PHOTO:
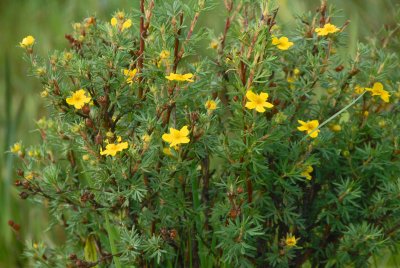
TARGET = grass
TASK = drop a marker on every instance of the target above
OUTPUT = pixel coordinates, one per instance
(20, 104)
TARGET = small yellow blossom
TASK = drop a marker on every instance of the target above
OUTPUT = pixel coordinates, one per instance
(27, 41)
(113, 148)
(164, 54)
(113, 21)
(16, 148)
(282, 43)
(28, 176)
(366, 113)
(35, 245)
(85, 157)
(146, 138)
(180, 77)
(130, 75)
(78, 99)
(290, 79)
(290, 240)
(31, 153)
(126, 25)
(309, 126)
(77, 26)
(214, 44)
(210, 105)
(307, 172)
(44, 93)
(257, 101)
(296, 71)
(377, 90)
(176, 137)
(167, 151)
(358, 89)
(41, 71)
(67, 56)
(327, 29)
(336, 128)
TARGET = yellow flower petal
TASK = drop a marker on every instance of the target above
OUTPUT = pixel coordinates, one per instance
(113, 21)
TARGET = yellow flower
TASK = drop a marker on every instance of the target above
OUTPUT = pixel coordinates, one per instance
(109, 134)
(358, 89)
(210, 105)
(146, 138)
(296, 71)
(167, 151)
(214, 44)
(290, 240)
(16, 148)
(29, 176)
(377, 90)
(78, 99)
(85, 157)
(67, 56)
(27, 41)
(180, 77)
(327, 29)
(126, 25)
(44, 93)
(257, 101)
(164, 54)
(291, 79)
(113, 148)
(282, 43)
(130, 75)
(176, 137)
(309, 126)
(113, 21)
(336, 128)
(306, 173)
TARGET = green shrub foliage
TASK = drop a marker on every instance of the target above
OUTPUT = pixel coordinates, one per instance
(270, 149)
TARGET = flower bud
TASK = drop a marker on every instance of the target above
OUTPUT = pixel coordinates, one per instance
(89, 123)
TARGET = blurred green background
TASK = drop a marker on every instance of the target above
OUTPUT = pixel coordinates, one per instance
(21, 106)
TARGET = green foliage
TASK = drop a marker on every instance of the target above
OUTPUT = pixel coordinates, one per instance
(250, 188)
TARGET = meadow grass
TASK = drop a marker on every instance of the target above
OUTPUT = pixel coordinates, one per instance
(20, 104)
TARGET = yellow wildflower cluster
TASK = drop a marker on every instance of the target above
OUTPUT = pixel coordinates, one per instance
(290, 240)
(282, 43)
(180, 77)
(120, 22)
(27, 42)
(377, 90)
(129, 75)
(16, 148)
(310, 127)
(327, 29)
(164, 56)
(257, 101)
(78, 99)
(307, 172)
(210, 105)
(176, 137)
(214, 44)
(113, 148)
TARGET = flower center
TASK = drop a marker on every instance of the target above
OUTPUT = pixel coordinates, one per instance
(258, 101)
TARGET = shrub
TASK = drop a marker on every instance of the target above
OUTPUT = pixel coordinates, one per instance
(274, 150)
